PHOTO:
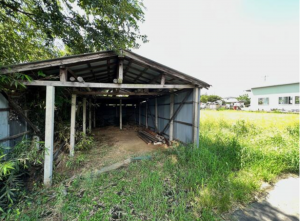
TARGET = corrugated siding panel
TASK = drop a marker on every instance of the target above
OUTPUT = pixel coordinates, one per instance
(4, 126)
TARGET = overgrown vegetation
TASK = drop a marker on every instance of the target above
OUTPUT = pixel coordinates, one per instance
(15, 164)
(238, 151)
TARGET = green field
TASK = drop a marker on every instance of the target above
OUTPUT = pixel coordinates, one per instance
(238, 151)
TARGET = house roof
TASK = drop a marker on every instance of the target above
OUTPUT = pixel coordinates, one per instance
(103, 67)
(274, 85)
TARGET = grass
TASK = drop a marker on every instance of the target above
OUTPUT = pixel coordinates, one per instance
(238, 151)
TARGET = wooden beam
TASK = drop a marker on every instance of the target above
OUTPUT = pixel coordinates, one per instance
(118, 93)
(49, 135)
(73, 124)
(95, 67)
(106, 85)
(146, 114)
(71, 60)
(72, 73)
(92, 72)
(14, 136)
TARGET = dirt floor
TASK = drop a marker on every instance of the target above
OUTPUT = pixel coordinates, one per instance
(113, 145)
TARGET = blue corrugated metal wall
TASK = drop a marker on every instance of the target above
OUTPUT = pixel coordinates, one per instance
(183, 122)
(10, 127)
(4, 126)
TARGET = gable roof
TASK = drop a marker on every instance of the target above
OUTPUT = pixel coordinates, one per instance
(102, 67)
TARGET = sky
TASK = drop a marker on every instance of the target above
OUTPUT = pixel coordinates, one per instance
(232, 45)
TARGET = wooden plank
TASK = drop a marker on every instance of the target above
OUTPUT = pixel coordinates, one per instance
(111, 63)
(14, 136)
(156, 115)
(56, 62)
(106, 85)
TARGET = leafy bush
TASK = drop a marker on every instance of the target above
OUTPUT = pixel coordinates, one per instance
(15, 163)
(85, 142)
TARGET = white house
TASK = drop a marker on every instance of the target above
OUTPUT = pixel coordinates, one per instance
(283, 97)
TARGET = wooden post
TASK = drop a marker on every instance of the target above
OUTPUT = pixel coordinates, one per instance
(163, 80)
(171, 114)
(121, 114)
(63, 74)
(49, 135)
(90, 116)
(156, 115)
(120, 77)
(95, 115)
(196, 116)
(146, 114)
(73, 120)
(84, 116)
(140, 114)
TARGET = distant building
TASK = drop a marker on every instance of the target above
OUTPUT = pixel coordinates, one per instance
(283, 97)
(229, 100)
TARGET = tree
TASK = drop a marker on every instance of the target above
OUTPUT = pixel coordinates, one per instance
(31, 29)
(245, 98)
(209, 98)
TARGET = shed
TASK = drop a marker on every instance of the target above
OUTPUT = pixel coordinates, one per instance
(163, 99)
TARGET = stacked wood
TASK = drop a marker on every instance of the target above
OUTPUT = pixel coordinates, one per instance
(151, 138)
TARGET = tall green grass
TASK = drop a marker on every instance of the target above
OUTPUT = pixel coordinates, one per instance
(238, 151)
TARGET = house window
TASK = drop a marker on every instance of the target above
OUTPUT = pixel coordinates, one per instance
(285, 100)
(296, 99)
(263, 101)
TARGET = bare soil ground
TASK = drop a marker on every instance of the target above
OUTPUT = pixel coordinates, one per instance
(111, 145)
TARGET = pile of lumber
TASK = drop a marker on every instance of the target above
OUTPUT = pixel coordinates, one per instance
(151, 138)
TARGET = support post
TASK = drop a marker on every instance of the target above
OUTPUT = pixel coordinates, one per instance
(84, 116)
(121, 114)
(156, 115)
(140, 114)
(146, 114)
(94, 115)
(63, 74)
(171, 114)
(196, 116)
(73, 121)
(90, 115)
(49, 135)
(120, 76)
